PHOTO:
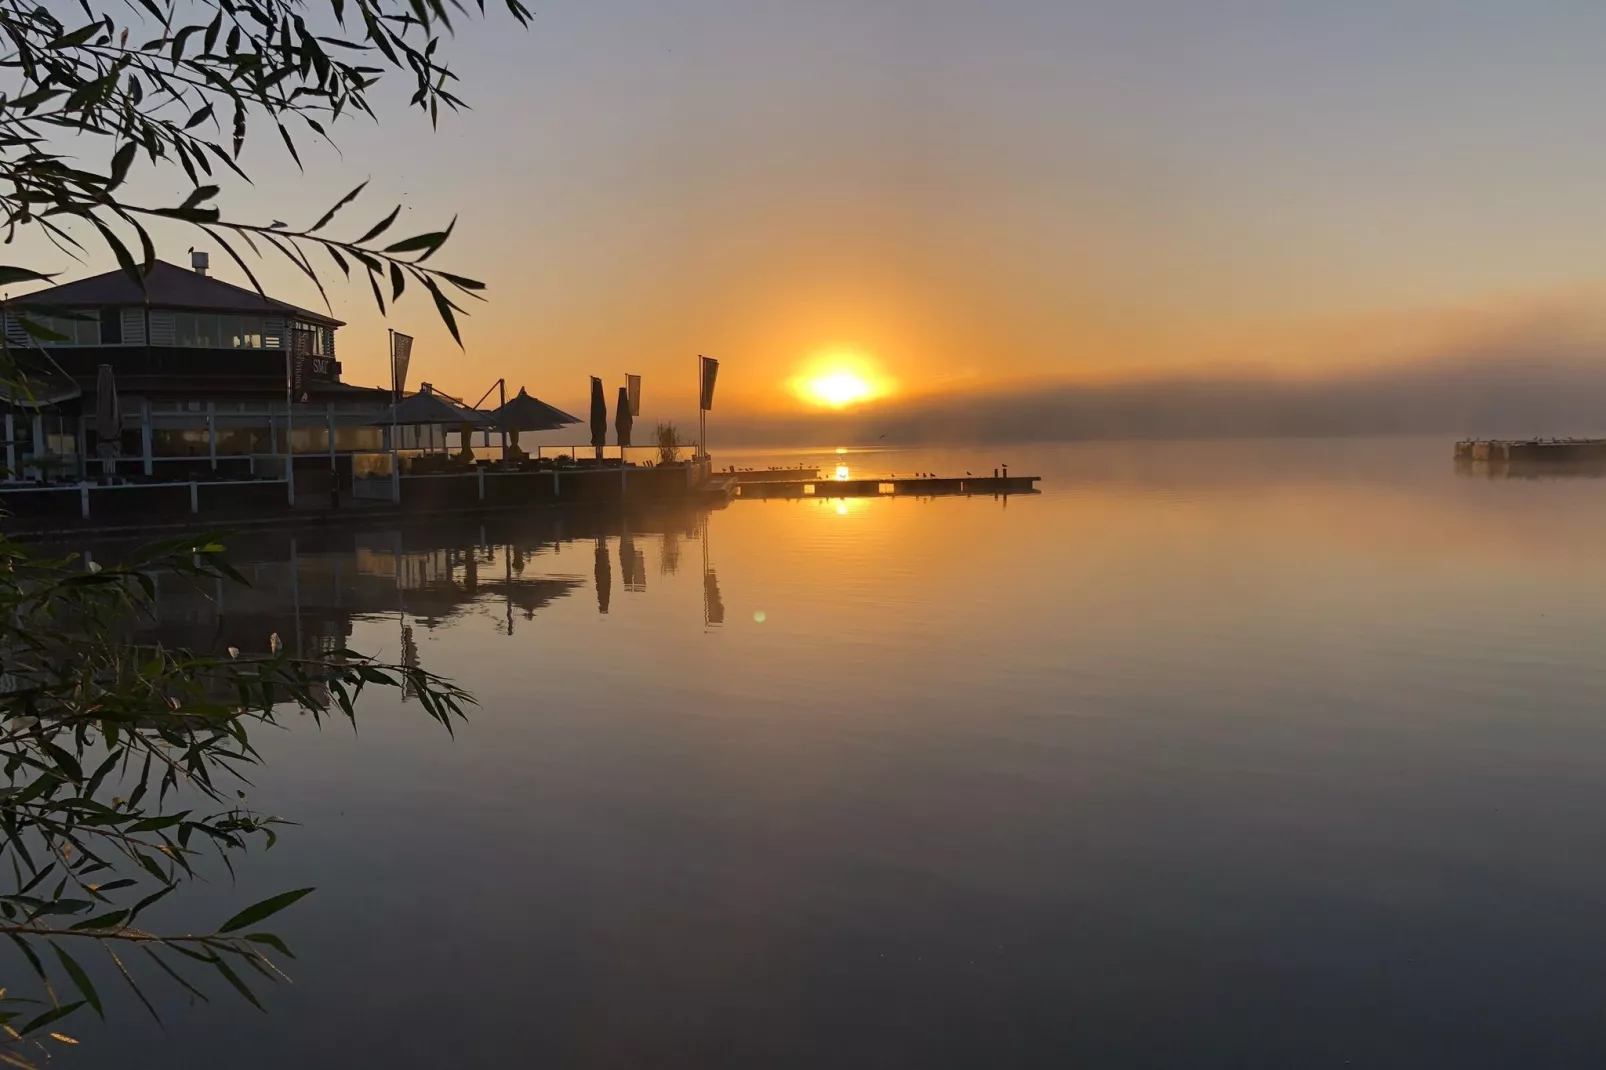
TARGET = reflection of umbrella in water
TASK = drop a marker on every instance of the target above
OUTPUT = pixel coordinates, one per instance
(599, 416)
(533, 594)
(622, 420)
(604, 575)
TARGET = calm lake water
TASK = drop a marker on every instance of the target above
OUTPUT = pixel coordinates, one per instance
(1222, 755)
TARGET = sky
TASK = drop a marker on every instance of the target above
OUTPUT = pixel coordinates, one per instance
(962, 198)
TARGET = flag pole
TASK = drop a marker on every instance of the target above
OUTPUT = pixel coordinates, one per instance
(395, 399)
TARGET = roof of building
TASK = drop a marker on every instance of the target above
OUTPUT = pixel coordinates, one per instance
(168, 286)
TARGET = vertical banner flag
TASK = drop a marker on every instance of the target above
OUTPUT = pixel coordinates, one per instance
(710, 371)
(633, 384)
(300, 358)
(401, 353)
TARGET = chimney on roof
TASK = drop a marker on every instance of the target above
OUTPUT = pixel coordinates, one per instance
(200, 261)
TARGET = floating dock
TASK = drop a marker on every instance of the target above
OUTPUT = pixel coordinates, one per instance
(871, 488)
(771, 475)
(1555, 452)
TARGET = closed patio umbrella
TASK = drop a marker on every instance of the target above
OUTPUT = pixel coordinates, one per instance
(622, 421)
(108, 418)
(599, 416)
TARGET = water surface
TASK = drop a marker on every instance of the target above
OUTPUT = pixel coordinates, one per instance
(1225, 755)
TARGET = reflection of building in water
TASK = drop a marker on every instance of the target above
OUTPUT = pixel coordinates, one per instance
(310, 587)
(669, 554)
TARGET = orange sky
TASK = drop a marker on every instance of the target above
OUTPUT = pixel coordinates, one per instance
(969, 196)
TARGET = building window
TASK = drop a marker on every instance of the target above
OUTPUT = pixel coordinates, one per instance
(111, 327)
(206, 331)
(315, 336)
(84, 331)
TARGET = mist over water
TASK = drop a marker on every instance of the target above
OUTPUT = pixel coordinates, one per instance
(1219, 754)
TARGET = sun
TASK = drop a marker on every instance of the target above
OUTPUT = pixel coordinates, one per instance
(838, 379)
(839, 388)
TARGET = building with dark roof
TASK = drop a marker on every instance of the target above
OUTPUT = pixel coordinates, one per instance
(210, 378)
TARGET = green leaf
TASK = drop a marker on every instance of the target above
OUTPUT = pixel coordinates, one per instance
(79, 978)
(151, 824)
(273, 942)
(10, 275)
(124, 259)
(398, 281)
(417, 242)
(239, 986)
(291, 145)
(380, 228)
(199, 117)
(74, 39)
(461, 283)
(64, 906)
(33, 959)
(197, 195)
(149, 899)
(267, 908)
(114, 920)
(54, 1015)
(444, 307)
(330, 214)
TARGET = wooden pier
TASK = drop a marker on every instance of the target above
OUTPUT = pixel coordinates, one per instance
(927, 486)
(1546, 452)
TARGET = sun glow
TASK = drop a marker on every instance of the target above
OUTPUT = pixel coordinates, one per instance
(836, 380)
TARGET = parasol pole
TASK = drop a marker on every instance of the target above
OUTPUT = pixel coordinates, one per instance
(289, 415)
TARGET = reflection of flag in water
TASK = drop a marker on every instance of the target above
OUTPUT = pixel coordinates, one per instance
(604, 575)
(713, 605)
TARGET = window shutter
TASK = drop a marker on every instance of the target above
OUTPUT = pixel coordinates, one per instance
(134, 326)
(161, 328)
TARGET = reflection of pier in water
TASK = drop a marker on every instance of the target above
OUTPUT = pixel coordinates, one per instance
(309, 587)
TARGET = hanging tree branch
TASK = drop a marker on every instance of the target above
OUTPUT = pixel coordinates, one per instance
(183, 86)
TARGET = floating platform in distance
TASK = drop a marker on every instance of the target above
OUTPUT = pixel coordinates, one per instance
(771, 475)
(872, 488)
(1549, 452)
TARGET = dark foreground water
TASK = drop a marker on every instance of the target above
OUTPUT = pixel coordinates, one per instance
(1262, 755)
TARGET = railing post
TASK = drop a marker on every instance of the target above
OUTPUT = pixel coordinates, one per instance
(11, 446)
(554, 482)
(83, 499)
(395, 480)
(145, 435)
(481, 473)
(195, 497)
(211, 433)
